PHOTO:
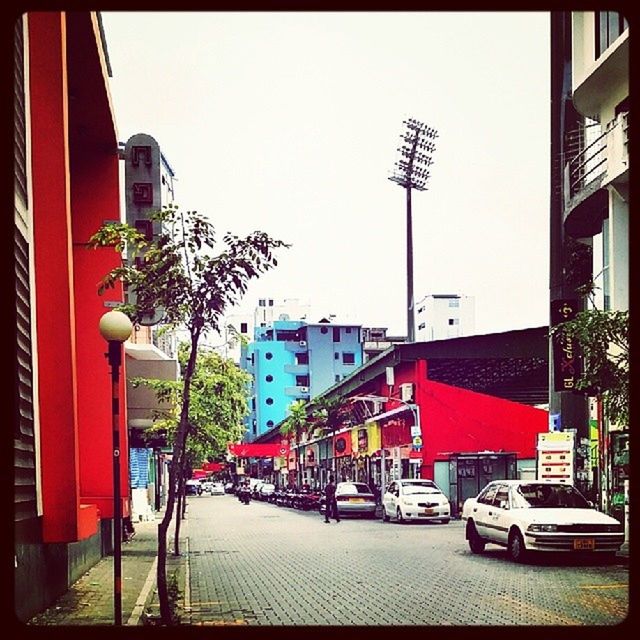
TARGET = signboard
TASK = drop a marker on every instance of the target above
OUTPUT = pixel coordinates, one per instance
(555, 451)
(566, 358)
(415, 430)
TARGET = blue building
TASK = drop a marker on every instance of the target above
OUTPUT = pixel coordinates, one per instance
(292, 360)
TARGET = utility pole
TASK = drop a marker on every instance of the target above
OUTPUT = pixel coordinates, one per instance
(411, 172)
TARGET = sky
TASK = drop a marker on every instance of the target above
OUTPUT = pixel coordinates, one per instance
(289, 122)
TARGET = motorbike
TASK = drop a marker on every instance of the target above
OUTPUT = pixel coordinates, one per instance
(244, 495)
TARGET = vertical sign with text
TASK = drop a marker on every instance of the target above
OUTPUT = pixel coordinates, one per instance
(566, 361)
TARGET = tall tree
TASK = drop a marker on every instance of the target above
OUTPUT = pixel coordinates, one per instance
(179, 272)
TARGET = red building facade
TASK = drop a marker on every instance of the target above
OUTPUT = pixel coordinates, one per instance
(70, 163)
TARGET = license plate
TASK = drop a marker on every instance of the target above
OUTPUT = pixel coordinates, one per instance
(429, 512)
(356, 499)
(586, 544)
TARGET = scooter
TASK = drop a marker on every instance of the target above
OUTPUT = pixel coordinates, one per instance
(244, 495)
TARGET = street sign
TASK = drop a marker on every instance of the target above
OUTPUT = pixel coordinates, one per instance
(417, 441)
(415, 430)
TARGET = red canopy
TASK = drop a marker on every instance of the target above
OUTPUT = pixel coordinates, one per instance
(251, 450)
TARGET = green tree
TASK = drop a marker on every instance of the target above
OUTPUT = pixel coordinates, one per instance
(179, 272)
(603, 338)
(296, 420)
(219, 396)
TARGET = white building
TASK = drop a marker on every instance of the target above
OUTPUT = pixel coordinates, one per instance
(441, 316)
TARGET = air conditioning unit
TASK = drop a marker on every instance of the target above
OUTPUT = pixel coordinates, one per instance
(303, 343)
(406, 391)
(304, 389)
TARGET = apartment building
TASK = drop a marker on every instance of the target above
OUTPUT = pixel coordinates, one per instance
(441, 316)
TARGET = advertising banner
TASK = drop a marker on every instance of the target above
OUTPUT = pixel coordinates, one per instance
(566, 357)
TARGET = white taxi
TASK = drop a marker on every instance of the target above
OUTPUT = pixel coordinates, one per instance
(538, 515)
(415, 500)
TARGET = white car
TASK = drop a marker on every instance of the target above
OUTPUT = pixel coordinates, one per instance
(217, 489)
(415, 500)
(537, 515)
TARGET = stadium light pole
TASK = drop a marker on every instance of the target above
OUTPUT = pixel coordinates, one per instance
(411, 172)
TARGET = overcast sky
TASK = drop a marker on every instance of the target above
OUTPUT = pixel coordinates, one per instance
(289, 123)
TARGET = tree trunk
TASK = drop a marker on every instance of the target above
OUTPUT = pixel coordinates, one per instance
(182, 501)
(175, 469)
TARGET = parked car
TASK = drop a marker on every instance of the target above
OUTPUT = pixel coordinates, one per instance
(217, 489)
(266, 490)
(415, 500)
(353, 498)
(193, 488)
(536, 515)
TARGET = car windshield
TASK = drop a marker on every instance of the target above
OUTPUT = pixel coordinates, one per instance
(422, 487)
(538, 495)
(352, 487)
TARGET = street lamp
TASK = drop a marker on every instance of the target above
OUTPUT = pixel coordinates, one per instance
(411, 172)
(115, 328)
(415, 410)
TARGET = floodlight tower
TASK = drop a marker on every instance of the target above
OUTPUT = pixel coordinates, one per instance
(411, 172)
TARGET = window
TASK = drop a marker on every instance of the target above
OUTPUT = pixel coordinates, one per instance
(269, 378)
(268, 355)
(336, 356)
(261, 303)
(487, 496)
(243, 327)
(302, 381)
(324, 330)
(502, 495)
(270, 302)
(609, 26)
(338, 378)
(454, 321)
(348, 358)
(269, 424)
(347, 329)
(422, 325)
(336, 334)
(269, 401)
(454, 302)
(302, 357)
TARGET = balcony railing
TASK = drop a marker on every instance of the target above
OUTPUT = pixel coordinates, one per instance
(589, 152)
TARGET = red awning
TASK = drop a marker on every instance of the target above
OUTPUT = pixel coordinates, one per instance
(251, 450)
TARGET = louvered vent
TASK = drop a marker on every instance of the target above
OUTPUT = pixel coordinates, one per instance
(24, 442)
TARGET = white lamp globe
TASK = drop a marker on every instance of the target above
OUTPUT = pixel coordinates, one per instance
(115, 326)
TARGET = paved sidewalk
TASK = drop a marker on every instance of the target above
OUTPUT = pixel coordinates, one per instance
(89, 600)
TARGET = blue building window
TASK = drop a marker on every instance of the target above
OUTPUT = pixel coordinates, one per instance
(269, 400)
(268, 355)
(348, 358)
(336, 334)
(269, 378)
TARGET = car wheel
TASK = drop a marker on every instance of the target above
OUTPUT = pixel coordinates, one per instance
(399, 516)
(516, 549)
(476, 543)
(385, 515)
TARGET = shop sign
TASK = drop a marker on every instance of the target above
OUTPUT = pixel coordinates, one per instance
(566, 356)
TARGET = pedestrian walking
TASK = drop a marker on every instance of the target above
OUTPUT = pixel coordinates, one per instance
(331, 505)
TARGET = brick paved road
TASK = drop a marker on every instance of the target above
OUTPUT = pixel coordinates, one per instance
(267, 565)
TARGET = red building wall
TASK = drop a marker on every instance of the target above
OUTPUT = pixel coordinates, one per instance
(458, 420)
(75, 187)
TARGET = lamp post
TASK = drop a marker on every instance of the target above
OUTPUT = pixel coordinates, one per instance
(415, 410)
(411, 172)
(115, 328)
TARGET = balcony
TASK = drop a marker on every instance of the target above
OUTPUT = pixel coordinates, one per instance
(597, 159)
(297, 369)
(297, 392)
